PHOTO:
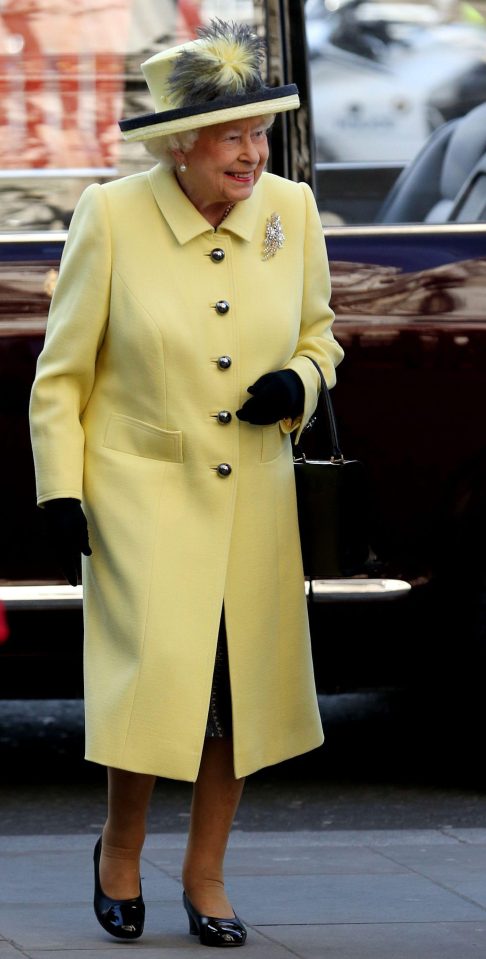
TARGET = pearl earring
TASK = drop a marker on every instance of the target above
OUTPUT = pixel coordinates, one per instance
(182, 167)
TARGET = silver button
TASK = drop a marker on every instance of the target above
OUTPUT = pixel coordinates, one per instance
(224, 416)
(217, 255)
(222, 307)
(224, 362)
(224, 470)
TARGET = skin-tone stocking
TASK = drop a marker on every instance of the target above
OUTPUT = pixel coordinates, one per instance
(216, 796)
(124, 833)
(215, 800)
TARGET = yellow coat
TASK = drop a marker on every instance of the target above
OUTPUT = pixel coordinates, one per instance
(124, 416)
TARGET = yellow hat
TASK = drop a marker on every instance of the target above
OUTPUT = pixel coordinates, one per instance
(214, 79)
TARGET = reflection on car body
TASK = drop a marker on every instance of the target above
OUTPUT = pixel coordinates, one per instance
(384, 292)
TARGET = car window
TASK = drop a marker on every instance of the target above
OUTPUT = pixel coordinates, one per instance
(69, 70)
(389, 82)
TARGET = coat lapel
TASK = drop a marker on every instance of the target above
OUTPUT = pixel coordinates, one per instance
(187, 223)
(184, 220)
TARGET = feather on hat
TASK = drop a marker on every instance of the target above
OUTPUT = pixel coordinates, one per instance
(229, 60)
(213, 79)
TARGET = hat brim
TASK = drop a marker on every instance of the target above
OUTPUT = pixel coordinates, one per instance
(270, 100)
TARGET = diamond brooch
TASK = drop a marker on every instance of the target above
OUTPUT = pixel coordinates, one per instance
(274, 236)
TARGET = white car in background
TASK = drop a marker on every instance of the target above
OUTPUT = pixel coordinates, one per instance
(384, 75)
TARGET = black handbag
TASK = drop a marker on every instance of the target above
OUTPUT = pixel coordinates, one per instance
(332, 501)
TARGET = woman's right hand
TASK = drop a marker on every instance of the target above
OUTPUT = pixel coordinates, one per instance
(67, 530)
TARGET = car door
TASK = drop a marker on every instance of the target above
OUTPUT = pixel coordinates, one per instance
(410, 302)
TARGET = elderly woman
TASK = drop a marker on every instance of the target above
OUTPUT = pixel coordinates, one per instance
(176, 364)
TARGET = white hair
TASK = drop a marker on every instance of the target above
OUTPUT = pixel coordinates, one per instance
(162, 148)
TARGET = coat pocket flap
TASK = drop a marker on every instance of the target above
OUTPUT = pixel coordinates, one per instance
(128, 435)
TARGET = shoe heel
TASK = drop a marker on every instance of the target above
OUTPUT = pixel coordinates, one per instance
(212, 931)
(193, 926)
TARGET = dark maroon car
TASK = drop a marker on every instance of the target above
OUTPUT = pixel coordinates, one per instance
(409, 292)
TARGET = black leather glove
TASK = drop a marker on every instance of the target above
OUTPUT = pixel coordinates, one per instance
(274, 397)
(67, 530)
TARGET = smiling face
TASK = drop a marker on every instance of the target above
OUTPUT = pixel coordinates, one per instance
(223, 166)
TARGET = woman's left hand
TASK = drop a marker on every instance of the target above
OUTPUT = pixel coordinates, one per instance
(274, 397)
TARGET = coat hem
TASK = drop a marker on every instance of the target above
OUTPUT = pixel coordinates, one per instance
(247, 769)
(146, 769)
(242, 768)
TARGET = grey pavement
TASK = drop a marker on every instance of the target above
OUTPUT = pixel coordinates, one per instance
(333, 894)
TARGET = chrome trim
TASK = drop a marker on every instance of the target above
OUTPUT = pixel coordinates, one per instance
(44, 173)
(397, 229)
(355, 590)
(42, 597)
(56, 236)
(323, 167)
(15, 327)
(47, 596)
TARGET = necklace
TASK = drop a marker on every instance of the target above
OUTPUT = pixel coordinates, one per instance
(227, 211)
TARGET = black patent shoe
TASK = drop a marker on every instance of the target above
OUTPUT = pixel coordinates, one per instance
(123, 918)
(214, 932)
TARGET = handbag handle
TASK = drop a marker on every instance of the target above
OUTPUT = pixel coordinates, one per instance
(325, 409)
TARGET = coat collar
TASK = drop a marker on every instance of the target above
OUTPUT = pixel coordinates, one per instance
(186, 222)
